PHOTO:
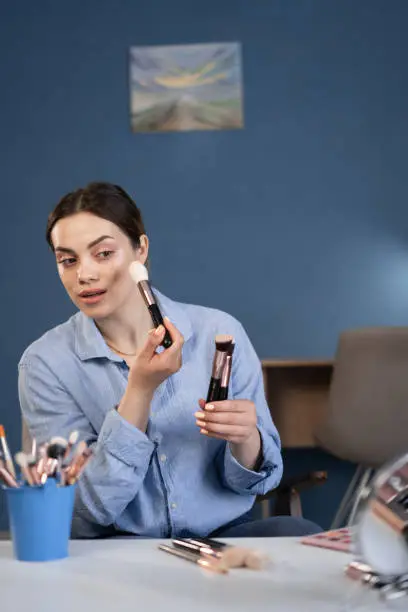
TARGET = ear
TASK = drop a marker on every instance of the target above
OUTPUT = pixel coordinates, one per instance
(143, 249)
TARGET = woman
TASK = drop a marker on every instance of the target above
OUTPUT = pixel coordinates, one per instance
(164, 463)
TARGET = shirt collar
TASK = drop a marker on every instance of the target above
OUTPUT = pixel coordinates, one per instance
(89, 342)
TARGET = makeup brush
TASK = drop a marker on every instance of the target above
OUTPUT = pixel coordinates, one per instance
(7, 478)
(139, 274)
(76, 463)
(32, 466)
(72, 440)
(22, 462)
(56, 450)
(222, 344)
(208, 564)
(230, 556)
(34, 448)
(226, 374)
(227, 558)
(6, 453)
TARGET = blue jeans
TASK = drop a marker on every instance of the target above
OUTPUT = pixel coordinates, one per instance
(272, 527)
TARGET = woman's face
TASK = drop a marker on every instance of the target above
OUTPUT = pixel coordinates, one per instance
(93, 257)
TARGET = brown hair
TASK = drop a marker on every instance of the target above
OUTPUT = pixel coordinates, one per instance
(104, 200)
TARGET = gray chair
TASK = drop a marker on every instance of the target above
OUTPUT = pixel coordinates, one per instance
(367, 417)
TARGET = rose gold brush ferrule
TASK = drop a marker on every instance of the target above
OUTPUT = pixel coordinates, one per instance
(8, 479)
(146, 292)
(75, 478)
(226, 373)
(6, 452)
(208, 564)
(197, 548)
(33, 467)
(220, 358)
(34, 474)
(27, 475)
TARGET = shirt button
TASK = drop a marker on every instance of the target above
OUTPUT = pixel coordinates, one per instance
(163, 458)
(173, 506)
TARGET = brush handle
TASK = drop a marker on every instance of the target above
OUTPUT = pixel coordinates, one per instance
(215, 545)
(223, 394)
(158, 320)
(213, 390)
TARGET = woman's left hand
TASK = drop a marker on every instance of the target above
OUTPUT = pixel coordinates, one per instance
(231, 420)
(234, 421)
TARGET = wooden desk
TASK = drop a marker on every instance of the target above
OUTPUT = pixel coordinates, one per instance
(297, 392)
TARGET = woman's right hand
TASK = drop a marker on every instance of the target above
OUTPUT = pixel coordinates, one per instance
(149, 368)
(147, 371)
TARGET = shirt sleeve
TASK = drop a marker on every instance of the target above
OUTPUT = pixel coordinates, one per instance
(121, 457)
(247, 383)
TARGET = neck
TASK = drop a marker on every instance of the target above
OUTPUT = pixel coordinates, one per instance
(126, 330)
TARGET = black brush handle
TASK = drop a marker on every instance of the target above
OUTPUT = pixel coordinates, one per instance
(213, 390)
(223, 394)
(158, 320)
(214, 544)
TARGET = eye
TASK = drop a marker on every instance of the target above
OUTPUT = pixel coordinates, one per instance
(104, 254)
(67, 262)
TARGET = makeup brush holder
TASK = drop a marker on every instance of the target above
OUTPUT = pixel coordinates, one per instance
(40, 520)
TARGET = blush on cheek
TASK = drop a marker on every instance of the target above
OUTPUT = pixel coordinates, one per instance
(120, 275)
(120, 269)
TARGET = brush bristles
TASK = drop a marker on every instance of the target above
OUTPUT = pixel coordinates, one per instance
(73, 437)
(231, 348)
(21, 459)
(138, 272)
(58, 441)
(223, 342)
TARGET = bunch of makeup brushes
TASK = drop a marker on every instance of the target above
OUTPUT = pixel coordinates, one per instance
(215, 556)
(59, 458)
(221, 368)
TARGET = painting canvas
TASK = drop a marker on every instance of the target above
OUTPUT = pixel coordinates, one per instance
(186, 87)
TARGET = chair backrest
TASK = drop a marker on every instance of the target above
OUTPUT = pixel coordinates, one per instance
(367, 417)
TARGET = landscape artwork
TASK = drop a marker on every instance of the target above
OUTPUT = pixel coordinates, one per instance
(186, 87)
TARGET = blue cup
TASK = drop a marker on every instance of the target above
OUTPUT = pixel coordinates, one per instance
(40, 520)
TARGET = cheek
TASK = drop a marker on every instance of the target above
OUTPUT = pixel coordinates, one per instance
(121, 277)
(66, 278)
(119, 271)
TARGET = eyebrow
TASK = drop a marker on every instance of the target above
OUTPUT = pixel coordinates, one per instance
(62, 249)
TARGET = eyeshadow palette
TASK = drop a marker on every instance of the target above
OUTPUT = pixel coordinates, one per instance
(336, 539)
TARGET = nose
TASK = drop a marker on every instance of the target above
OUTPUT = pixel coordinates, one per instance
(87, 272)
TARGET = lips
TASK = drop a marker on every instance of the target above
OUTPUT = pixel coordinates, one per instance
(91, 293)
(92, 296)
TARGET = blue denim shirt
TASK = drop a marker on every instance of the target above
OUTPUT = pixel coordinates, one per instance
(171, 480)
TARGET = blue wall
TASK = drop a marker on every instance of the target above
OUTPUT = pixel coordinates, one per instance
(308, 202)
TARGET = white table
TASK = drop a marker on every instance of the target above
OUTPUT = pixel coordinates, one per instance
(133, 575)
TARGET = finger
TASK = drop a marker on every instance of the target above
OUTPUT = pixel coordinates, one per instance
(223, 430)
(228, 406)
(201, 403)
(153, 341)
(224, 418)
(232, 439)
(176, 336)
